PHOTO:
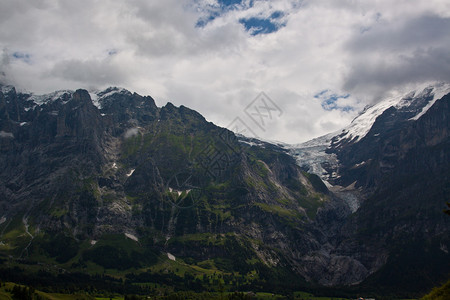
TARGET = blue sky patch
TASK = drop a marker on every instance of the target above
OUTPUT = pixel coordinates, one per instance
(25, 57)
(277, 14)
(215, 12)
(229, 2)
(321, 93)
(258, 26)
(330, 101)
(112, 52)
(253, 24)
(204, 21)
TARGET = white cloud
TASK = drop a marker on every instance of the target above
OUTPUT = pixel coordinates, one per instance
(131, 132)
(361, 48)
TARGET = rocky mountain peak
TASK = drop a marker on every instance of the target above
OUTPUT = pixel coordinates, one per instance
(82, 97)
(402, 108)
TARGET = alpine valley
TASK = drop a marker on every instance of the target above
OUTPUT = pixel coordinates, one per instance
(106, 191)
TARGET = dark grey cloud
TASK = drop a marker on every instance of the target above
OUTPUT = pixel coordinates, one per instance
(391, 55)
(89, 72)
(385, 36)
(421, 65)
(4, 68)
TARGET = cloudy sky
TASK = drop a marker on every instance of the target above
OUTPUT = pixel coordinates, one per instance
(318, 62)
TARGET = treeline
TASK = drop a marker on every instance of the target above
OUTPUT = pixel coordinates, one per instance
(71, 283)
(197, 296)
(22, 292)
(161, 284)
(147, 283)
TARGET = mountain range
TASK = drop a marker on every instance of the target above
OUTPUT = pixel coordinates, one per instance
(108, 183)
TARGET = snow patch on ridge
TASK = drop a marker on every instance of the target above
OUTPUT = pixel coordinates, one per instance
(171, 257)
(132, 237)
(98, 96)
(46, 98)
(111, 91)
(362, 124)
(7, 88)
(94, 98)
(4, 134)
(439, 91)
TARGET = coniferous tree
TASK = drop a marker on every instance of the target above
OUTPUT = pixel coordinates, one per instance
(447, 211)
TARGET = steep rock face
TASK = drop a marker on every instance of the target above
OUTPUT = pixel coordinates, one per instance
(210, 184)
(81, 167)
(54, 146)
(412, 188)
(123, 109)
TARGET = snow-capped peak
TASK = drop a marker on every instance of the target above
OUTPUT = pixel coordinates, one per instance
(98, 96)
(439, 91)
(46, 98)
(361, 125)
(94, 97)
(111, 91)
(6, 88)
